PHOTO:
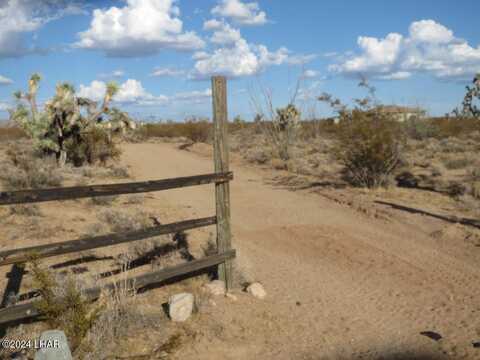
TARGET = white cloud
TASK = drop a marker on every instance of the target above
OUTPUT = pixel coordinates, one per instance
(200, 55)
(429, 31)
(4, 106)
(5, 81)
(236, 57)
(301, 59)
(196, 96)
(225, 34)
(212, 24)
(430, 47)
(167, 72)
(142, 27)
(240, 12)
(239, 59)
(131, 91)
(21, 17)
(113, 74)
(310, 74)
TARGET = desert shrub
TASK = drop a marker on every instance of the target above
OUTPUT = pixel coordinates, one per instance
(25, 210)
(420, 129)
(63, 305)
(103, 200)
(369, 148)
(196, 130)
(11, 133)
(369, 141)
(459, 163)
(119, 221)
(26, 170)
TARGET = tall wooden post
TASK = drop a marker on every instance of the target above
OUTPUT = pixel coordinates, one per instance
(222, 190)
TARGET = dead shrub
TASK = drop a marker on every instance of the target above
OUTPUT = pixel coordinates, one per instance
(196, 130)
(456, 164)
(119, 221)
(103, 200)
(8, 133)
(25, 210)
(26, 170)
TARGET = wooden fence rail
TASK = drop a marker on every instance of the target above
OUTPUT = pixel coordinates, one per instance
(78, 192)
(16, 256)
(29, 310)
(224, 255)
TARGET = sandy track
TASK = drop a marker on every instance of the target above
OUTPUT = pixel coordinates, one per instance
(341, 285)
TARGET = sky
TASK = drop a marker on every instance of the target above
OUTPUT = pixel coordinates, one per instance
(162, 53)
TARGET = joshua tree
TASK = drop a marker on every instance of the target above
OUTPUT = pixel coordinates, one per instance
(62, 124)
(469, 109)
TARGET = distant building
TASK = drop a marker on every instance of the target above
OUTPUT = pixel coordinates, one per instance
(402, 113)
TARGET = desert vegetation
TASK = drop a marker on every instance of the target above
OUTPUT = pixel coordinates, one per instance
(360, 150)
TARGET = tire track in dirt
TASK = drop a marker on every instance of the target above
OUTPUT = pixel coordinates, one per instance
(340, 284)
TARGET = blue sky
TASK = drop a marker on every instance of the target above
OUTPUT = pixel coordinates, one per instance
(163, 52)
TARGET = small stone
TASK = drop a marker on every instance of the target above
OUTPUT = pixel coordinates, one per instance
(231, 296)
(54, 346)
(256, 289)
(180, 306)
(216, 287)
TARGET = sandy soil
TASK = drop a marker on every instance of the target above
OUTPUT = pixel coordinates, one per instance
(341, 283)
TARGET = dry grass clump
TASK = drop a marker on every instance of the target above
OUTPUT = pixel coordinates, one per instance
(8, 133)
(29, 210)
(457, 163)
(25, 169)
(119, 221)
(103, 200)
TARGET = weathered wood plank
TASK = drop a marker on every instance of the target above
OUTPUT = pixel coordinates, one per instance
(28, 310)
(77, 192)
(221, 158)
(65, 247)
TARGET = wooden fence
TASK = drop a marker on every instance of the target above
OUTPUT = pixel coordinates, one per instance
(223, 258)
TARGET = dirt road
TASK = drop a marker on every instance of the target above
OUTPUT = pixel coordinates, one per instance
(340, 285)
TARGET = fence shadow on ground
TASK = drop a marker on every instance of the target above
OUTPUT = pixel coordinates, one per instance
(451, 219)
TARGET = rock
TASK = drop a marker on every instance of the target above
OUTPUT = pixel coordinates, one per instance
(53, 346)
(256, 289)
(407, 180)
(180, 306)
(216, 287)
(231, 296)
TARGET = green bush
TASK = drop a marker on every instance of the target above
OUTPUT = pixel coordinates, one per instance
(63, 305)
(369, 147)
(369, 141)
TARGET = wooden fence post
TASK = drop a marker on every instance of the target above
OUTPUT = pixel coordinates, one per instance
(222, 190)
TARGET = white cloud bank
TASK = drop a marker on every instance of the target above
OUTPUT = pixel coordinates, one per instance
(241, 13)
(429, 47)
(141, 27)
(132, 92)
(5, 81)
(167, 72)
(21, 17)
(234, 57)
